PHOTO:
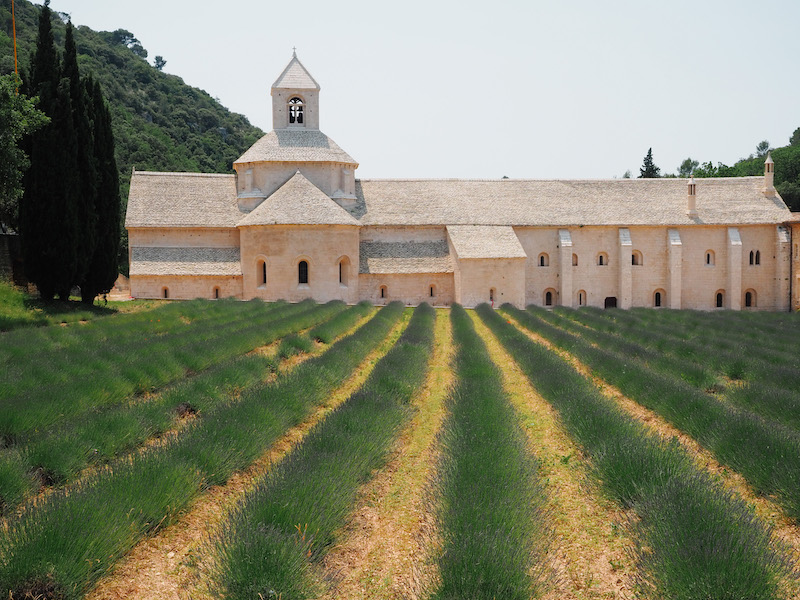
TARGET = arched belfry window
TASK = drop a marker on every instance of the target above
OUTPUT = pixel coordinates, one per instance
(295, 111)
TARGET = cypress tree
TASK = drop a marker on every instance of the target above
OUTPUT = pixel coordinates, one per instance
(82, 117)
(649, 170)
(103, 269)
(47, 211)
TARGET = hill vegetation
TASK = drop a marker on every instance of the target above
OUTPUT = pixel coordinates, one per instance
(159, 122)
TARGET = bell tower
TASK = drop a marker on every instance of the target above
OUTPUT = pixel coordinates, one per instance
(295, 98)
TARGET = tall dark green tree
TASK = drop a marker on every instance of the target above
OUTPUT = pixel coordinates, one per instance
(82, 119)
(649, 170)
(103, 271)
(48, 220)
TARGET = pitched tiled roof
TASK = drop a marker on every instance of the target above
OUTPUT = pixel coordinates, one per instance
(404, 257)
(483, 241)
(293, 145)
(185, 261)
(200, 200)
(182, 200)
(735, 200)
(296, 77)
(298, 202)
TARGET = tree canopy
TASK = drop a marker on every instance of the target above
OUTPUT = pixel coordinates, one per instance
(687, 167)
(20, 117)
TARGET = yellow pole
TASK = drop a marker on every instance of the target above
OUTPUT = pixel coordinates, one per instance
(14, 27)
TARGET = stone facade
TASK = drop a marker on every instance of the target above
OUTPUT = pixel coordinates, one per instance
(293, 222)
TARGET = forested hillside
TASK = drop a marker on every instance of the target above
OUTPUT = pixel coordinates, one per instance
(159, 122)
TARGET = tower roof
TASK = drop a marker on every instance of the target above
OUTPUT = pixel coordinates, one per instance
(296, 77)
(295, 145)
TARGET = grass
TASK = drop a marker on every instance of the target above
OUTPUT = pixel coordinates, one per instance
(695, 539)
(66, 542)
(762, 376)
(271, 542)
(18, 309)
(102, 435)
(325, 332)
(294, 344)
(58, 374)
(764, 452)
(489, 498)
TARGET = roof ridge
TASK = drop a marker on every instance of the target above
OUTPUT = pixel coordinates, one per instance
(544, 180)
(181, 174)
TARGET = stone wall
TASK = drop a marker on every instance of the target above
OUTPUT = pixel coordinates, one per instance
(282, 247)
(694, 282)
(411, 289)
(185, 287)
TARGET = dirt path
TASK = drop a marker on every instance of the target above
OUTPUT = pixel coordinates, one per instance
(591, 553)
(174, 563)
(785, 531)
(387, 549)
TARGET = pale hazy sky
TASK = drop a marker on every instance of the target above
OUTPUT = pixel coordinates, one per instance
(529, 89)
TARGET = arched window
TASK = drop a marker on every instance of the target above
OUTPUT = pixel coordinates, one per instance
(384, 292)
(432, 291)
(752, 258)
(581, 298)
(750, 299)
(720, 299)
(658, 298)
(758, 257)
(548, 297)
(574, 260)
(544, 260)
(602, 259)
(636, 258)
(344, 271)
(295, 111)
(302, 272)
(216, 293)
(261, 273)
(165, 293)
(709, 258)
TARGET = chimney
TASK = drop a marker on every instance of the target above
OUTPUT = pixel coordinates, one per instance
(691, 205)
(769, 176)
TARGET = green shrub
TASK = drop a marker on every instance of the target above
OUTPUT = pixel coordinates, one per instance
(489, 498)
(694, 539)
(270, 542)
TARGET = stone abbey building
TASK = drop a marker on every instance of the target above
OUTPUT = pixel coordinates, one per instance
(293, 222)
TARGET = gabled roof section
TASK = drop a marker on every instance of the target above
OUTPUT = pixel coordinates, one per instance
(296, 77)
(520, 202)
(295, 145)
(185, 261)
(182, 200)
(298, 202)
(482, 241)
(404, 257)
